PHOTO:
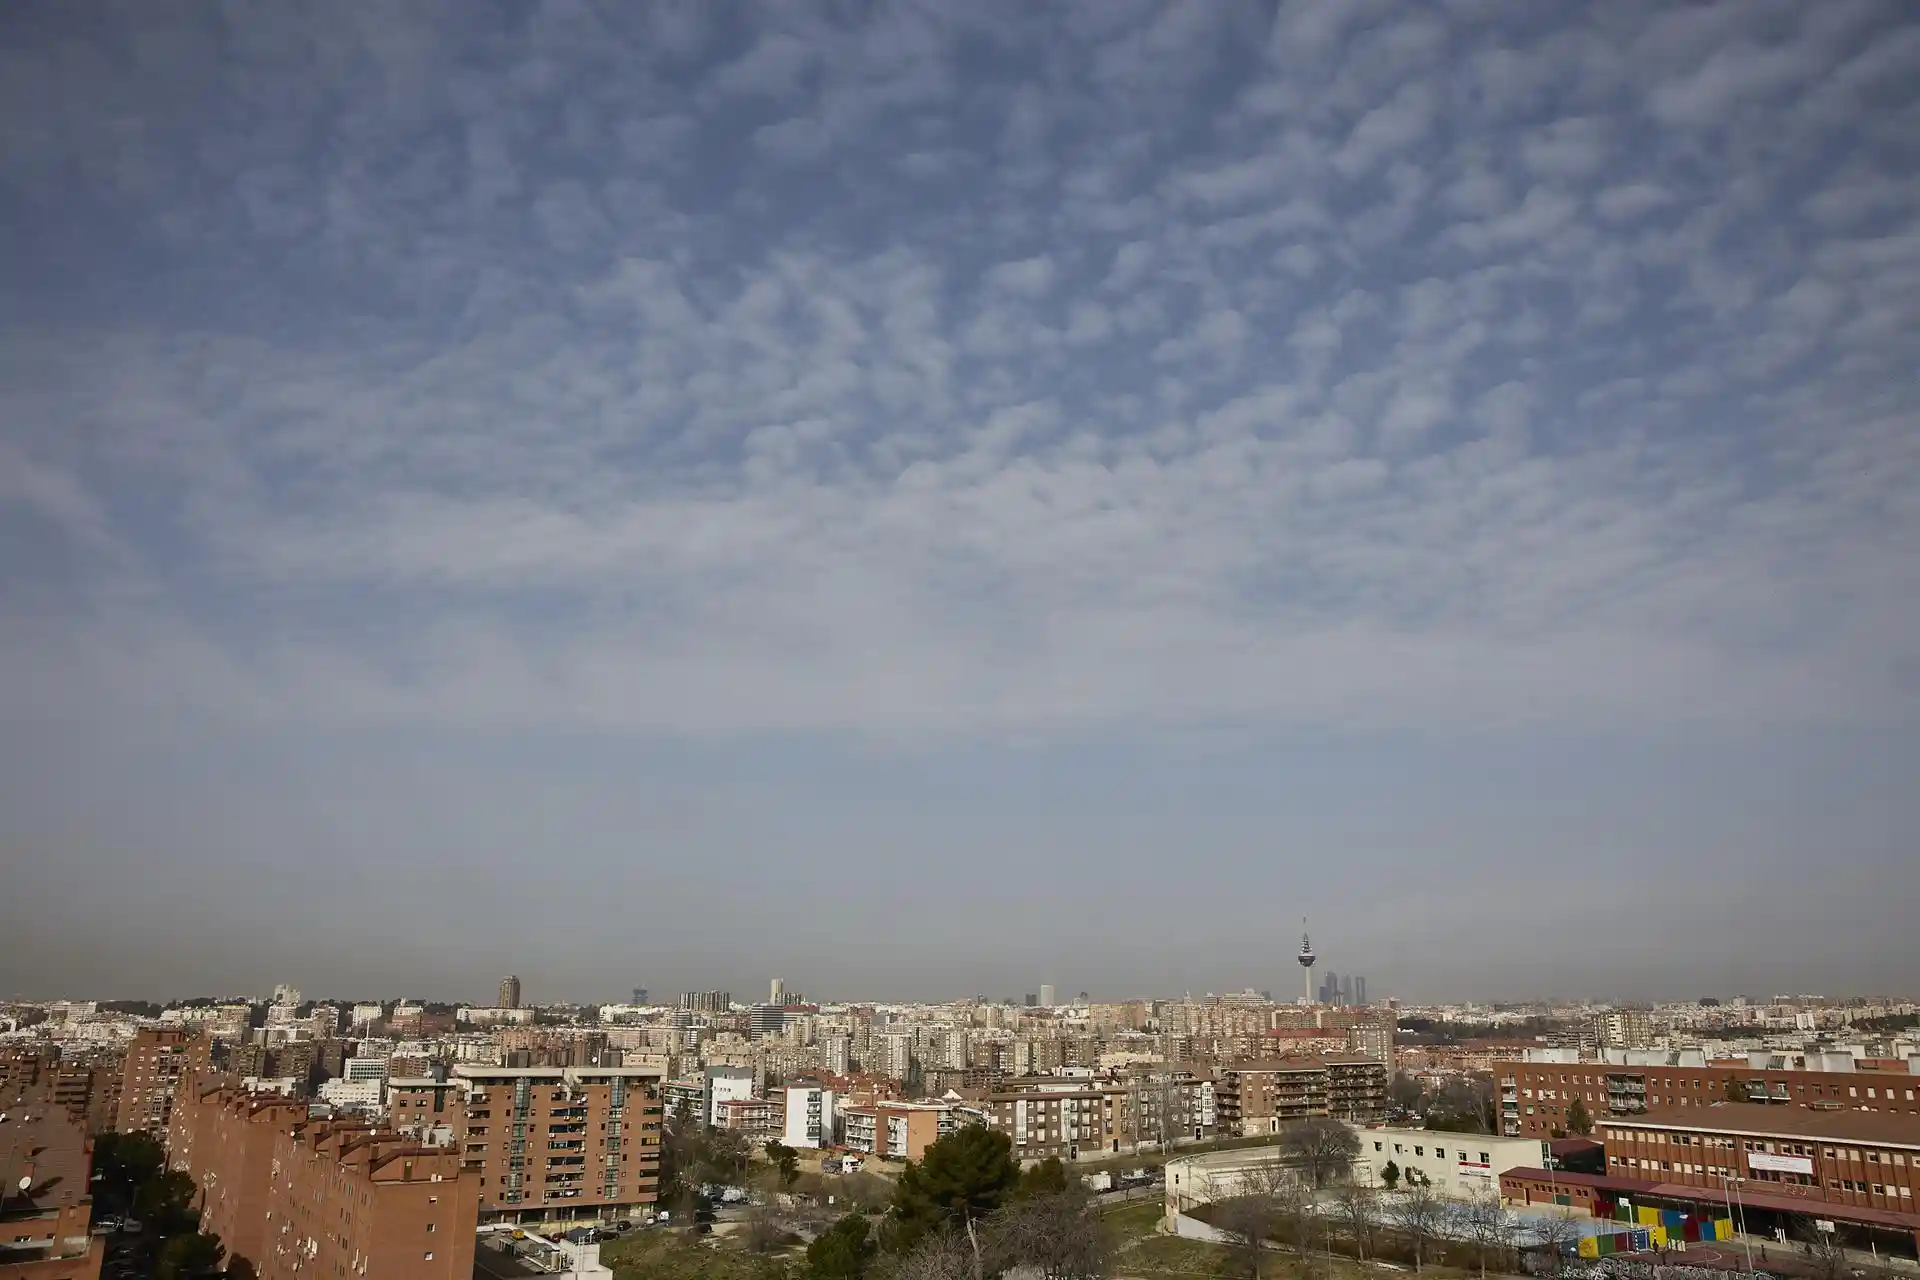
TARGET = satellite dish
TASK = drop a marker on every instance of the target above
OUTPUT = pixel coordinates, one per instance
(26, 1181)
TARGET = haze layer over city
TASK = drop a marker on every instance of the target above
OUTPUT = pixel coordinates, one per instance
(950, 497)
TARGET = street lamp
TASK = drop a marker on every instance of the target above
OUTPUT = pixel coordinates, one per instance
(1730, 1186)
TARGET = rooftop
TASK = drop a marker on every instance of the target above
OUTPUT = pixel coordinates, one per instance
(1752, 1119)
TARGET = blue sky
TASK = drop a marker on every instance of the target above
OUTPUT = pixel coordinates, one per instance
(932, 498)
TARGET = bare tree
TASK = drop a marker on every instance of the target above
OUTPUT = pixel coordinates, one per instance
(1256, 1211)
(1324, 1149)
(763, 1230)
(1058, 1235)
(1489, 1226)
(1555, 1234)
(1419, 1212)
(1358, 1208)
(944, 1255)
(1824, 1251)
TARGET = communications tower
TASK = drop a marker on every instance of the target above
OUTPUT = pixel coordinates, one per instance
(1307, 957)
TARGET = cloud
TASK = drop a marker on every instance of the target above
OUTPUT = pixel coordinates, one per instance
(811, 374)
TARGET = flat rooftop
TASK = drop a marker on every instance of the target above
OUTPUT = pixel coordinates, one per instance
(1757, 1121)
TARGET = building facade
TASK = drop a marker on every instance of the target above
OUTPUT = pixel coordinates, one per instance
(583, 1140)
(808, 1117)
(156, 1059)
(46, 1160)
(348, 1200)
(1456, 1165)
(223, 1138)
(1536, 1098)
(1261, 1098)
(510, 992)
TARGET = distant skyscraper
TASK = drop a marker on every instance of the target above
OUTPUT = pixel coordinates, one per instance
(1346, 989)
(1046, 995)
(1359, 989)
(510, 992)
(777, 991)
(639, 995)
(1031, 999)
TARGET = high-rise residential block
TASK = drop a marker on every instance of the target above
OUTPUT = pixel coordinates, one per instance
(510, 992)
(1047, 995)
(156, 1059)
(545, 1140)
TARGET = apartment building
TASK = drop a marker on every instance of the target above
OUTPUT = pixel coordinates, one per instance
(45, 1204)
(756, 1119)
(585, 1140)
(223, 1137)
(1260, 1098)
(85, 1082)
(350, 1200)
(1537, 1096)
(1075, 1119)
(899, 1130)
(808, 1118)
(156, 1059)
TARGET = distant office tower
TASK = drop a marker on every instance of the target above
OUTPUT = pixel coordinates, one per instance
(1359, 989)
(509, 992)
(1046, 995)
(766, 1020)
(1031, 999)
(286, 993)
(639, 995)
(1346, 988)
(777, 991)
(707, 1001)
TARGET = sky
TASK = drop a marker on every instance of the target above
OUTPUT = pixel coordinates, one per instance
(934, 498)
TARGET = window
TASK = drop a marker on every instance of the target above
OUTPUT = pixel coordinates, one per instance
(1439, 1153)
(1378, 1146)
(429, 1256)
(1485, 1158)
(1419, 1151)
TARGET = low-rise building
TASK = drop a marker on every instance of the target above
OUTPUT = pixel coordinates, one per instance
(756, 1119)
(1456, 1165)
(1259, 1098)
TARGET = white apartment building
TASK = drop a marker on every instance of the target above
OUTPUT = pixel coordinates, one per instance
(727, 1084)
(357, 1070)
(810, 1116)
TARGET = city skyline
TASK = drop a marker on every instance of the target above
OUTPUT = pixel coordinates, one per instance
(1010, 491)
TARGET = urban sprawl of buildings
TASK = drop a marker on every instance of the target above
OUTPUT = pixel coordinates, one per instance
(414, 1123)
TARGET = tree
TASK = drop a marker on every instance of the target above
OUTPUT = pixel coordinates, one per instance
(785, 1160)
(1048, 1178)
(1056, 1234)
(165, 1204)
(1824, 1251)
(843, 1252)
(1489, 1226)
(124, 1161)
(1557, 1236)
(961, 1179)
(1390, 1176)
(1404, 1092)
(1323, 1149)
(1264, 1194)
(238, 1268)
(187, 1257)
(1359, 1210)
(939, 1255)
(1578, 1119)
(1419, 1214)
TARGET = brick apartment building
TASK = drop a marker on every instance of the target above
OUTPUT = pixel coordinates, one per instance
(1535, 1097)
(756, 1119)
(583, 1140)
(1259, 1098)
(156, 1059)
(43, 1225)
(301, 1198)
(224, 1138)
(898, 1130)
(83, 1082)
(45, 1198)
(347, 1200)
(1066, 1122)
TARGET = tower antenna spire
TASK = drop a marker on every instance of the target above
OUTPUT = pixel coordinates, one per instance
(1306, 958)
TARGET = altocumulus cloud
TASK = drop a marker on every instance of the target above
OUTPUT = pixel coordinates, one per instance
(961, 369)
